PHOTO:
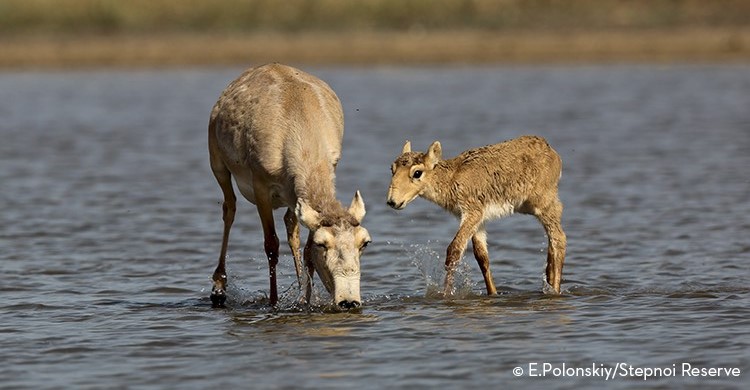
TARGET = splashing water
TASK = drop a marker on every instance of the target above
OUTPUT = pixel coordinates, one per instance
(291, 293)
(431, 265)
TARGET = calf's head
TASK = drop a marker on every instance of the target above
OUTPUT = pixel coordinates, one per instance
(411, 172)
(338, 241)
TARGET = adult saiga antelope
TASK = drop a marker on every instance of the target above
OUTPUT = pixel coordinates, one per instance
(520, 175)
(278, 131)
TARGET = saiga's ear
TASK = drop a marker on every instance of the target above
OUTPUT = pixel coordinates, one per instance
(357, 208)
(307, 215)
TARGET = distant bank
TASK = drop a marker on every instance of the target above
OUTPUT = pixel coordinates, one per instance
(367, 48)
(163, 33)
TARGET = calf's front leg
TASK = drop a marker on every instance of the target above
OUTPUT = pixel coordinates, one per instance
(469, 225)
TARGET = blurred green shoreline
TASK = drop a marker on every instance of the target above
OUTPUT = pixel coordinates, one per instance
(378, 48)
(168, 33)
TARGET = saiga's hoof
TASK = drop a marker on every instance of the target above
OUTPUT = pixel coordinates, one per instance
(218, 298)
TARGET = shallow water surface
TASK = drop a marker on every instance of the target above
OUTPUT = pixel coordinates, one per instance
(111, 225)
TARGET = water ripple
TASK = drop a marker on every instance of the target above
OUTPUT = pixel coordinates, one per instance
(109, 235)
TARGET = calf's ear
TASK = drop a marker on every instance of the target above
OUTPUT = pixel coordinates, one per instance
(434, 155)
(406, 148)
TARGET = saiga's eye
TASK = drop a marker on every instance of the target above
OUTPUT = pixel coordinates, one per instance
(417, 174)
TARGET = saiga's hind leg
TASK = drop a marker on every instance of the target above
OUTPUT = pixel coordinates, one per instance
(229, 207)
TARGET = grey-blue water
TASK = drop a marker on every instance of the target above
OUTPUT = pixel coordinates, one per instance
(110, 227)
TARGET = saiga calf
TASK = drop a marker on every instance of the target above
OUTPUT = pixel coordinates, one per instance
(517, 176)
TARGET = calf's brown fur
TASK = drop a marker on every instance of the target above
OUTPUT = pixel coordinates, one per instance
(516, 176)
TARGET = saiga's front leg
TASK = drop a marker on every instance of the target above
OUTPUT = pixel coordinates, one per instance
(270, 240)
(292, 236)
(307, 255)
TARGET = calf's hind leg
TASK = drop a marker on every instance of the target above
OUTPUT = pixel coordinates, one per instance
(550, 217)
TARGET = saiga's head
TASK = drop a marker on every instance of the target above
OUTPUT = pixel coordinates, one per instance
(411, 173)
(338, 241)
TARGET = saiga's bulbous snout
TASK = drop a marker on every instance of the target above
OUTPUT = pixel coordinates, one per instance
(346, 294)
(346, 305)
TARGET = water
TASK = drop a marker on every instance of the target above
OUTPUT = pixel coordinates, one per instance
(111, 222)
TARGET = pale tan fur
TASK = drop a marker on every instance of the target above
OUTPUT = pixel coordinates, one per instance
(278, 131)
(516, 176)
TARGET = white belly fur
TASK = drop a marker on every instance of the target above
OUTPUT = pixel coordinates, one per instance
(497, 211)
